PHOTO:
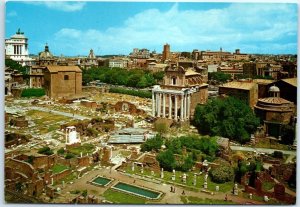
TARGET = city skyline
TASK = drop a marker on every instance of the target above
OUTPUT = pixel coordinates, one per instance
(73, 28)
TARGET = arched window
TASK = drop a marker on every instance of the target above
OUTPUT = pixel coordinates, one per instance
(66, 77)
(173, 80)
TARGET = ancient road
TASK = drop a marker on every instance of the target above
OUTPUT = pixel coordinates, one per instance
(262, 150)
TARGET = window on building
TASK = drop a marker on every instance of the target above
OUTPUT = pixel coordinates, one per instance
(66, 77)
(173, 80)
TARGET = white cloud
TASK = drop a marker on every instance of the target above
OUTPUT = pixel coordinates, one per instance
(12, 14)
(241, 26)
(60, 6)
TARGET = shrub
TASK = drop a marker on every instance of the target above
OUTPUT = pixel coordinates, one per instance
(69, 156)
(45, 151)
(61, 151)
(222, 174)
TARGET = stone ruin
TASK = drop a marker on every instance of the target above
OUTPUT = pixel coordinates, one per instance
(127, 107)
(19, 121)
(72, 137)
(15, 139)
(83, 127)
(277, 193)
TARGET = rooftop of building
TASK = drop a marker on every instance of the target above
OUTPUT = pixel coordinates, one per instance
(190, 72)
(59, 68)
(263, 81)
(291, 81)
(239, 85)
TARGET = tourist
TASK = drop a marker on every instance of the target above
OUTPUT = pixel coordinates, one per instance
(226, 198)
(171, 189)
(183, 193)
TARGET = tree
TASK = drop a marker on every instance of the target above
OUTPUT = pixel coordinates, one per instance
(188, 163)
(229, 117)
(222, 174)
(152, 144)
(166, 160)
(219, 76)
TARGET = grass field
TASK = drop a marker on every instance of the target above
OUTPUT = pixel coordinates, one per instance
(196, 200)
(122, 198)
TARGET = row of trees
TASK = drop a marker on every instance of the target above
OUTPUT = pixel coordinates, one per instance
(139, 93)
(118, 76)
(229, 117)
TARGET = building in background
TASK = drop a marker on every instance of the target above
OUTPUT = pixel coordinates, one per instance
(16, 48)
(178, 96)
(63, 81)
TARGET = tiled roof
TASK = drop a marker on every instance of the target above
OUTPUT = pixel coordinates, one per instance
(239, 85)
(274, 100)
(59, 68)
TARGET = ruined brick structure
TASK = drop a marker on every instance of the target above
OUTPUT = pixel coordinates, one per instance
(127, 107)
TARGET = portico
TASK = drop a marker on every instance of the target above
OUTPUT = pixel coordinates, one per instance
(171, 104)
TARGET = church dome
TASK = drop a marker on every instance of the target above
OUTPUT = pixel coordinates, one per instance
(274, 89)
(45, 54)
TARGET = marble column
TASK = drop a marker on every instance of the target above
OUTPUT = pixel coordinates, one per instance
(181, 109)
(159, 105)
(170, 106)
(188, 106)
(164, 105)
(175, 108)
(156, 103)
(185, 107)
(153, 103)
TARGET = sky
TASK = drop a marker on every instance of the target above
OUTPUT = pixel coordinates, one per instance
(73, 28)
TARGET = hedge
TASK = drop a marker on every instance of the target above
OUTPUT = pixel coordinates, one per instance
(139, 93)
(29, 92)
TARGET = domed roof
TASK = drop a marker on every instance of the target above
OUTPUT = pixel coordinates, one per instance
(274, 89)
(45, 54)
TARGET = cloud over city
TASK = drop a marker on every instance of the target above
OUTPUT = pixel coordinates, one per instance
(60, 5)
(252, 27)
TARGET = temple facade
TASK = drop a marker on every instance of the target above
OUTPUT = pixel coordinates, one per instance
(181, 91)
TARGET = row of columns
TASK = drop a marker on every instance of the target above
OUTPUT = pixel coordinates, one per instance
(17, 49)
(159, 105)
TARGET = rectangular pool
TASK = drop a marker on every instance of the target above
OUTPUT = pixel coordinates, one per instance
(135, 190)
(101, 181)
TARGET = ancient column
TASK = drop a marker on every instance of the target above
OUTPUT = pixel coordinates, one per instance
(164, 105)
(170, 106)
(156, 103)
(159, 105)
(181, 109)
(162, 173)
(188, 106)
(175, 108)
(153, 103)
(185, 106)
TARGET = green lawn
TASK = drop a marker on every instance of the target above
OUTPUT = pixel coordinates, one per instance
(196, 200)
(224, 187)
(85, 148)
(122, 198)
(58, 168)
